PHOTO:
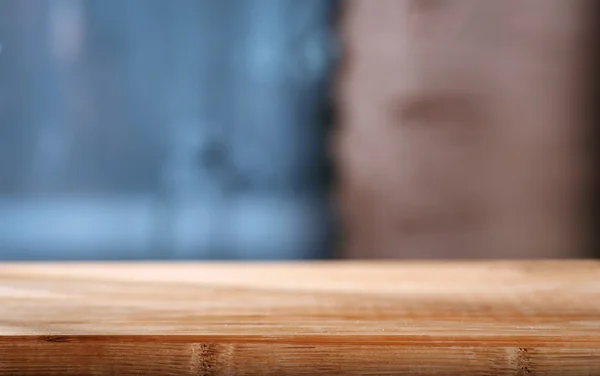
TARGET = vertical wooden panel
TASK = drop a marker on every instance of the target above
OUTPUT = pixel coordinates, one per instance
(461, 127)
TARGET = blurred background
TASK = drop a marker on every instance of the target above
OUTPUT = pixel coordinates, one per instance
(296, 129)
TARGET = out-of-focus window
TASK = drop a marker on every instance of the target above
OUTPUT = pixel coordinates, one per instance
(152, 129)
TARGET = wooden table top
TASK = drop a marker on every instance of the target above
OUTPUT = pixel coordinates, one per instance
(446, 318)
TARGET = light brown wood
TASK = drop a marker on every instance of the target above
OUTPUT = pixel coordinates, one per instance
(462, 127)
(434, 318)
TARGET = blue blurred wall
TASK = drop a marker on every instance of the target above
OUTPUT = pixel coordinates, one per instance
(151, 129)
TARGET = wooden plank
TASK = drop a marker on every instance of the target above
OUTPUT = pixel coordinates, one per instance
(420, 318)
(462, 128)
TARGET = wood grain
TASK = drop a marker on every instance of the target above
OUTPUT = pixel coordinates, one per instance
(418, 318)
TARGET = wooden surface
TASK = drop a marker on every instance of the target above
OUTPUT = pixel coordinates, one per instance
(469, 318)
(462, 127)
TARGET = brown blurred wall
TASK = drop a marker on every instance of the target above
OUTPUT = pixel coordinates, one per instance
(461, 128)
